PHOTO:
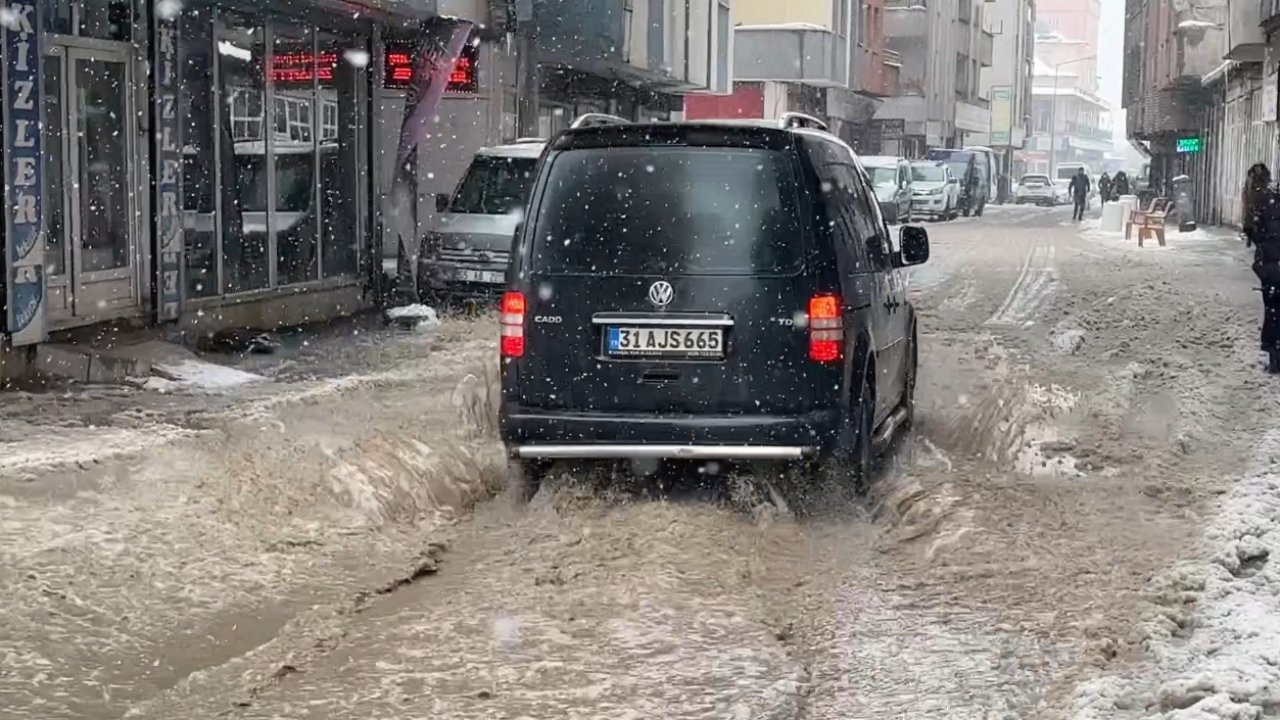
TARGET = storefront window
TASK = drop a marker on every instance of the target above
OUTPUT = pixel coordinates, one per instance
(241, 49)
(339, 154)
(293, 73)
(272, 165)
(199, 180)
(105, 19)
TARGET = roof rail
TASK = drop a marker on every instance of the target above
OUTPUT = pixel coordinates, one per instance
(594, 119)
(794, 120)
(528, 140)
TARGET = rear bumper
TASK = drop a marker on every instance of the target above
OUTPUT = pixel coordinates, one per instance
(534, 433)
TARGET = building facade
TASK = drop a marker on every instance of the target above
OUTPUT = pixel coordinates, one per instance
(204, 164)
(1007, 84)
(1069, 121)
(214, 163)
(1075, 19)
(1238, 126)
(943, 45)
(1170, 49)
(826, 58)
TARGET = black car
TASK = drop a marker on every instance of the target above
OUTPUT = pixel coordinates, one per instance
(706, 291)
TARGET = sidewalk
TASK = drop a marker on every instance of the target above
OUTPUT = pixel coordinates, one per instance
(51, 423)
(148, 533)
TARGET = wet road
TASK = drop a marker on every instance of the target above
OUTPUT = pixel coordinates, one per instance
(1081, 404)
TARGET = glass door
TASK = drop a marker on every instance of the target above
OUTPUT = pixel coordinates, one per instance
(98, 137)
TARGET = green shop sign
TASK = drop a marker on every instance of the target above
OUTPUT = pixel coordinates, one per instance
(1190, 145)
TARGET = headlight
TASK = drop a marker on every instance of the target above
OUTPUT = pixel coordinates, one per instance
(936, 191)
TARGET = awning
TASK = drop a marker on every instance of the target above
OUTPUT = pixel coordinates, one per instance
(382, 11)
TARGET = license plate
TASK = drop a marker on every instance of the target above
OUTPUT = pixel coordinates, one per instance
(490, 277)
(665, 342)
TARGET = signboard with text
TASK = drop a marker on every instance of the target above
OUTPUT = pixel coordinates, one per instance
(168, 170)
(1001, 115)
(23, 177)
(1270, 90)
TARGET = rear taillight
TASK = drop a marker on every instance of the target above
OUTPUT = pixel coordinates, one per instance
(826, 329)
(512, 321)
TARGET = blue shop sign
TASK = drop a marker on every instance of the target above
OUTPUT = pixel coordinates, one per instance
(24, 179)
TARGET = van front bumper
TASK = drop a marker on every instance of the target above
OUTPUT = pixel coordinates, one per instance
(543, 434)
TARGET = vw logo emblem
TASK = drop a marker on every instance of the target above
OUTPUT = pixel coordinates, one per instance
(661, 293)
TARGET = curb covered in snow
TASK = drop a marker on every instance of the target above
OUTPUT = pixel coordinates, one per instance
(1213, 629)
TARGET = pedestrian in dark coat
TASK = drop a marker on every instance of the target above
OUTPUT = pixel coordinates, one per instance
(1262, 230)
(1104, 188)
(1121, 185)
(1079, 189)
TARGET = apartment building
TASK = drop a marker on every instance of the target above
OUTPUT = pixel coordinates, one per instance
(826, 58)
(1007, 84)
(943, 45)
(1170, 48)
(1238, 126)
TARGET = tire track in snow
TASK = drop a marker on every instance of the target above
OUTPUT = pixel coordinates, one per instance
(1037, 281)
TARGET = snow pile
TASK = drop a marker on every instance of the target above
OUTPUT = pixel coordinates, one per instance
(416, 316)
(199, 375)
(1213, 630)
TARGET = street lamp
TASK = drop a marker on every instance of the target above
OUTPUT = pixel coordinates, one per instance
(1053, 115)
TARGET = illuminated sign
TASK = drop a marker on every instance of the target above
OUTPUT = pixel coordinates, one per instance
(1190, 145)
(301, 68)
(399, 68)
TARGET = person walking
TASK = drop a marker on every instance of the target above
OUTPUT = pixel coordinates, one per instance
(1079, 189)
(1261, 224)
(1104, 188)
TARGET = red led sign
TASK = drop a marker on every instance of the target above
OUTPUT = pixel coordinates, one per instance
(399, 69)
(301, 68)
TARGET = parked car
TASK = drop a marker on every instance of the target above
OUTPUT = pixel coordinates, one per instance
(936, 192)
(1039, 190)
(706, 291)
(891, 180)
(468, 250)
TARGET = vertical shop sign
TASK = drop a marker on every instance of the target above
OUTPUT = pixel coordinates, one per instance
(1001, 115)
(23, 176)
(168, 169)
(1270, 96)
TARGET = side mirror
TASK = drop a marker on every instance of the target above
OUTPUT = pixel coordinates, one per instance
(442, 202)
(914, 242)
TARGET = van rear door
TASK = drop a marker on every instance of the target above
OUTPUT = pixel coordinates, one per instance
(665, 276)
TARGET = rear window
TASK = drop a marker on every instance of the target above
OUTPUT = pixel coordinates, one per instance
(1042, 179)
(669, 211)
(494, 186)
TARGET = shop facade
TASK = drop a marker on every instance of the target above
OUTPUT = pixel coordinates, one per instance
(209, 164)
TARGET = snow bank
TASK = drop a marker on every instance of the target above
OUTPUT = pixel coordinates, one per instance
(1212, 631)
(198, 374)
(69, 446)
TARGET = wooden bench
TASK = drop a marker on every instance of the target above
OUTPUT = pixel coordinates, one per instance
(1149, 221)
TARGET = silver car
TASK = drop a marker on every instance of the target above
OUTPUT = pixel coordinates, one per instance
(467, 251)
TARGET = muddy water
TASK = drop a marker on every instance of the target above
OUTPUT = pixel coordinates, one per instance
(998, 561)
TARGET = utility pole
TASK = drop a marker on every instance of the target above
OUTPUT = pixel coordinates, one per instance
(1053, 116)
(527, 76)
